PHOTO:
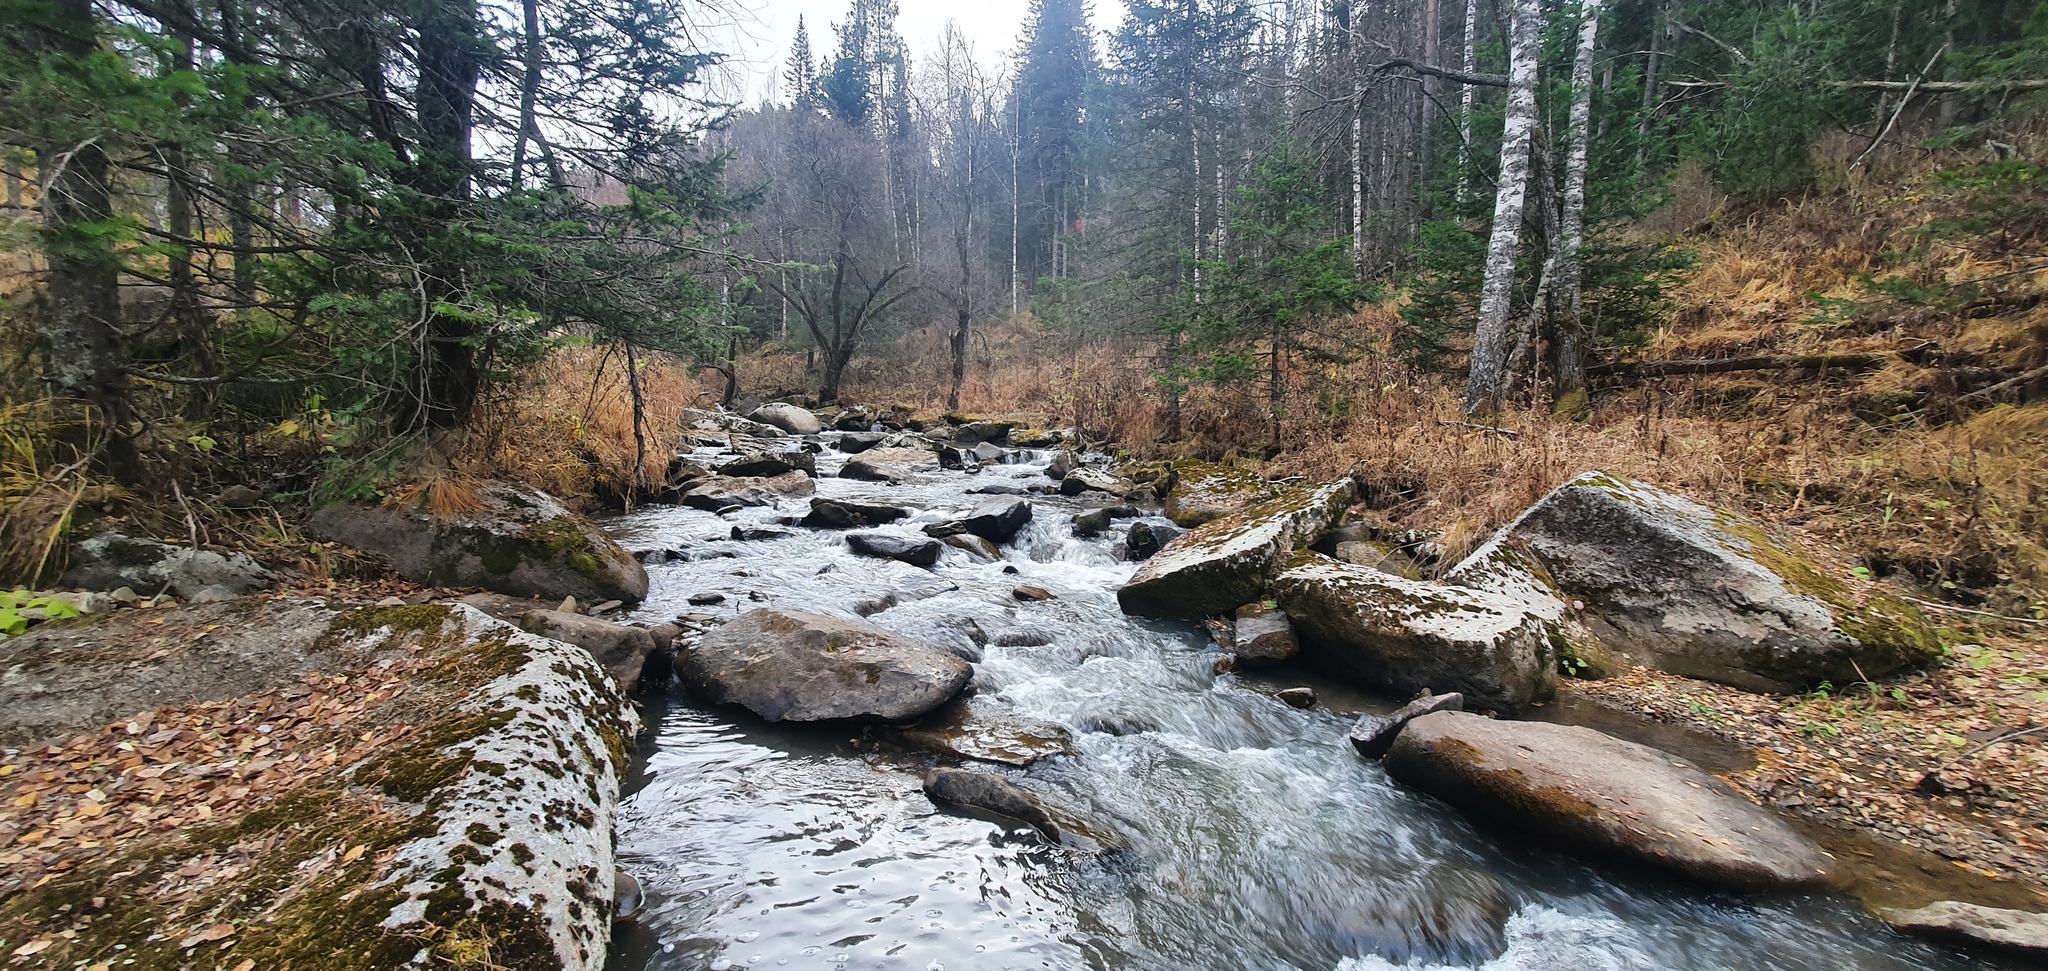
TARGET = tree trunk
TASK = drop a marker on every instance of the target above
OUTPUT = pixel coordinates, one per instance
(1572, 341)
(85, 357)
(963, 335)
(1487, 383)
(639, 484)
(1650, 66)
(1465, 96)
(449, 38)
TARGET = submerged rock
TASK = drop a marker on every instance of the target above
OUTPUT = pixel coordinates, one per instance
(1405, 636)
(1660, 580)
(113, 560)
(983, 731)
(1372, 735)
(520, 542)
(974, 546)
(993, 793)
(888, 546)
(2013, 931)
(788, 417)
(789, 665)
(1601, 794)
(1212, 569)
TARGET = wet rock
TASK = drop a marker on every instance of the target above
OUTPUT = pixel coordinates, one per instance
(1096, 480)
(759, 533)
(112, 560)
(1061, 464)
(982, 730)
(988, 454)
(1021, 637)
(848, 514)
(974, 546)
(706, 599)
(958, 460)
(1434, 916)
(889, 546)
(1144, 540)
(995, 794)
(998, 490)
(995, 432)
(1666, 582)
(1119, 725)
(1213, 568)
(886, 464)
(788, 417)
(626, 897)
(1372, 735)
(521, 542)
(1605, 796)
(720, 493)
(1264, 635)
(2012, 931)
(622, 650)
(1031, 593)
(1091, 523)
(788, 665)
(998, 519)
(854, 443)
(765, 465)
(1404, 636)
(1303, 698)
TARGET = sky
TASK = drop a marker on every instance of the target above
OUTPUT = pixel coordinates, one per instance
(756, 34)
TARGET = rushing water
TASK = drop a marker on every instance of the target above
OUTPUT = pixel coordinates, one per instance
(1257, 838)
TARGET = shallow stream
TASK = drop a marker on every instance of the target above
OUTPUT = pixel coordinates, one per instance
(1257, 838)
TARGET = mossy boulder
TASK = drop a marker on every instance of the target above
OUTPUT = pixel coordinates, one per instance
(1216, 567)
(1638, 575)
(1202, 492)
(520, 542)
(1610, 798)
(1403, 636)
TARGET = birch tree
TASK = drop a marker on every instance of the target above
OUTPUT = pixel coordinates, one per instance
(1570, 329)
(1487, 382)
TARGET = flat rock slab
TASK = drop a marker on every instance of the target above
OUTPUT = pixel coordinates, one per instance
(983, 731)
(992, 793)
(1404, 636)
(1373, 735)
(888, 463)
(848, 514)
(2013, 931)
(1212, 569)
(788, 665)
(1600, 794)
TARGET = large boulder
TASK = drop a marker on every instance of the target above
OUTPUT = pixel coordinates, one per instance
(888, 464)
(1405, 636)
(847, 514)
(1095, 480)
(768, 463)
(720, 493)
(1202, 493)
(789, 665)
(1659, 580)
(114, 560)
(788, 417)
(520, 541)
(1598, 793)
(997, 519)
(1212, 569)
(2015, 932)
(623, 650)
(913, 550)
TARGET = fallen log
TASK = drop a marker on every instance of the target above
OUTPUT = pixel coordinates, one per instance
(1804, 362)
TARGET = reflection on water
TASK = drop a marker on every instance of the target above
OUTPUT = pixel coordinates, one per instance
(1257, 839)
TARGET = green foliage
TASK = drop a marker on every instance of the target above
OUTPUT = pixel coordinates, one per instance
(20, 608)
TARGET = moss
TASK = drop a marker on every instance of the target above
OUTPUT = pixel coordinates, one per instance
(1881, 621)
(430, 762)
(427, 625)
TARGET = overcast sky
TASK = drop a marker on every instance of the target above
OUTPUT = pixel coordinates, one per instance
(757, 35)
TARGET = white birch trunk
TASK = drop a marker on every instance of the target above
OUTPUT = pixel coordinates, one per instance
(1471, 66)
(1487, 382)
(1571, 339)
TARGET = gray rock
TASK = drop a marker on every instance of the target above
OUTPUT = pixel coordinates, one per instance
(998, 490)
(974, 546)
(1264, 635)
(720, 493)
(886, 464)
(1303, 698)
(216, 593)
(996, 432)
(788, 417)
(1144, 540)
(759, 533)
(2013, 931)
(112, 560)
(1215, 567)
(1061, 464)
(238, 497)
(1091, 523)
(848, 514)
(889, 546)
(622, 650)
(1404, 636)
(958, 460)
(764, 465)
(998, 519)
(522, 543)
(1373, 735)
(1659, 580)
(988, 454)
(981, 730)
(787, 665)
(1096, 480)
(1605, 796)
(854, 443)
(1118, 725)
(995, 794)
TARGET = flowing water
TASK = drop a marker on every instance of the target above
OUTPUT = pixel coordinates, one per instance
(1257, 838)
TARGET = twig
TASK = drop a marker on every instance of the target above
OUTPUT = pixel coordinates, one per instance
(191, 523)
(2039, 372)
(1968, 610)
(1932, 779)
(1911, 89)
(1489, 429)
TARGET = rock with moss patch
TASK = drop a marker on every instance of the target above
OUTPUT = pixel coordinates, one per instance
(1214, 568)
(520, 542)
(113, 560)
(1405, 636)
(789, 665)
(1203, 492)
(1659, 580)
(1609, 797)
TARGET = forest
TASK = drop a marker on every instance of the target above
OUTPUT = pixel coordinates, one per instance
(271, 269)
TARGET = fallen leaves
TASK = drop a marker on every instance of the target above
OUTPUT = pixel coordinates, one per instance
(215, 933)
